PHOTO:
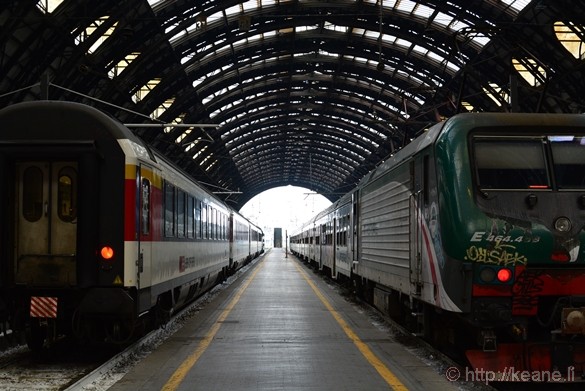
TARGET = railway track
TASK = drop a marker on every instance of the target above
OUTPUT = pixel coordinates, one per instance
(66, 366)
(54, 369)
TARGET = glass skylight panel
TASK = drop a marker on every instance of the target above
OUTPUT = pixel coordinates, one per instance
(255, 38)
(501, 94)
(405, 5)
(389, 39)
(362, 60)
(145, 90)
(480, 40)
(207, 99)
(433, 55)
(360, 31)
(48, 6)
(161, 109)
(328, 54)
(253, 5)
(242, 42)
(336, 27)
(196, 155)
(117, 69)
(423, 11)
(458, 25)
(202, 164)
(517, 5)
(215, 16)
(171, 27)
(182, 136)
(387, 3)
(154, 3)
(410, 77)
(215, 113)
(179, 119)
(211, 165)
(375, 35)
(403, 43)
(306, 28)
(186, 59)
(421, 50)
(453, 67)
(529, 73)
(468, 106)
(569, 39)
(233, 10)
(91, 29)
(419, 100)
(285, 31)
(443, 19)
(191, 145)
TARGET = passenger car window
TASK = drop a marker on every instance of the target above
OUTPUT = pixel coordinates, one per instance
(169, 210)
(67, 194)
(145, 224)
(32, 194)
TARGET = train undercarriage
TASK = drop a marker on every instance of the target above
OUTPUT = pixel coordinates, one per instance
(95, 316)
(507, 351)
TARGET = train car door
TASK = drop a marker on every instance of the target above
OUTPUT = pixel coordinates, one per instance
(353, 228)
(335, 243)
(145, 218)
(418, 175)
(46, 229)
(323, 244)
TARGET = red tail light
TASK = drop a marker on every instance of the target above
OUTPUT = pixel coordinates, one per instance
(504, 275)
(107, 253)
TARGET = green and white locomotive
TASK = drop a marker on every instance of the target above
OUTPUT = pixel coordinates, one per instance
(476, 224)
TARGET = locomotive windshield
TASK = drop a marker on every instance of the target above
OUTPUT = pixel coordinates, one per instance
(524, 163)
(568, 154)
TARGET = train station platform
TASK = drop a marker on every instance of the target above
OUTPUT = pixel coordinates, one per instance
(281, 327)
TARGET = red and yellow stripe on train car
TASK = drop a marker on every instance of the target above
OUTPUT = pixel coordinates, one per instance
(133, 198)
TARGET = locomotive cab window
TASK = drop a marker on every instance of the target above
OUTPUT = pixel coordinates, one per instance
(510, 163)
(568, 153)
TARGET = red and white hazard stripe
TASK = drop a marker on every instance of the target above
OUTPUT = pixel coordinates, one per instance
(43, 307)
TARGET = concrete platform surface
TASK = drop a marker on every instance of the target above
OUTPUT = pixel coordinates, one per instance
(281, 327)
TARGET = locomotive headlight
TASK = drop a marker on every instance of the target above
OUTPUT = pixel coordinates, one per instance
(563, 224)
(487, 274)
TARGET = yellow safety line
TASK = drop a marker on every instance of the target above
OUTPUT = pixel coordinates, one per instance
(179, 375)
(386, 374)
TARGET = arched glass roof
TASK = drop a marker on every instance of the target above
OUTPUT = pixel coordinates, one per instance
(264, 93)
